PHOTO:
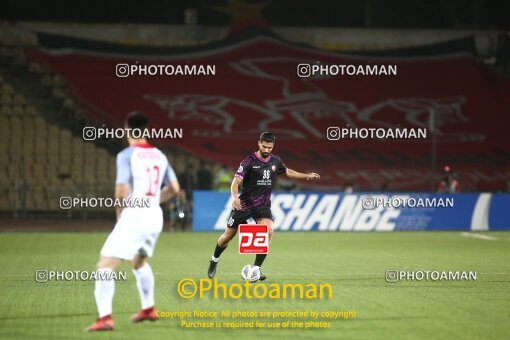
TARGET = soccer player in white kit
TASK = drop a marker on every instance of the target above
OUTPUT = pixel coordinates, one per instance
(142, 170)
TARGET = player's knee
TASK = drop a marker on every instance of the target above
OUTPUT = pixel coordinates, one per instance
(138, 262)
(101, 264)
(227, 238)
(105, 262)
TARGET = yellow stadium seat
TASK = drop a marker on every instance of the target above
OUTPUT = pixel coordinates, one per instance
(18, 110)
(31, 110)
(5, 110)
(6, 99)
(7, 89)
(19, 99)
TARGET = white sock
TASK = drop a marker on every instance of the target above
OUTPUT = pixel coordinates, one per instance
(105, 289)
(145, 284)
(215, 259)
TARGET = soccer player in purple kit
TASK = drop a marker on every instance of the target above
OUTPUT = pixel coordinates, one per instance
(257, 173)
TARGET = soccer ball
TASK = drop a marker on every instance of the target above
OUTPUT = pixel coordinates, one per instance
(250, 273)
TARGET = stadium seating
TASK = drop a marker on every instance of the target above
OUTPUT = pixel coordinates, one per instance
(45, 159)
(41, 159)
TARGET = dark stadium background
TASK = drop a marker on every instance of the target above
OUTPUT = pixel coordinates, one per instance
(43, 115)
(57, 76)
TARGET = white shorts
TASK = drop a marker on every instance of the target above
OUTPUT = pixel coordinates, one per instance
(133, 234)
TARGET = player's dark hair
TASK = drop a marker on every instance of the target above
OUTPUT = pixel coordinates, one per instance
(137, 120)
(267, 137)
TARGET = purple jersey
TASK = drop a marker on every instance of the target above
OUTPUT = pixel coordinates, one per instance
(258, 177)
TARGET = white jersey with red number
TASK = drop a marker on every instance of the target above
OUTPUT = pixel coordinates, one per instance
(145, 169)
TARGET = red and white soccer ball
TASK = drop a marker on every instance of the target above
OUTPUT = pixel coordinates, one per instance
(250, 273)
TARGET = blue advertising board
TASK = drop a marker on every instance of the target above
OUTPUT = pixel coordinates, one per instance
(330, 211)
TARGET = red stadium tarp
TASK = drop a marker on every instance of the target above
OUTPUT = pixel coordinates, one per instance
(256, 88)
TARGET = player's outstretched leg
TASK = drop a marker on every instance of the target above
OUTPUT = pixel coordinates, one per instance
(259, 258)
(103, 293)
(145, 284)
(221, 245)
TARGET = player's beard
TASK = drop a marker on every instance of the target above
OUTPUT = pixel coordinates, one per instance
(264, 154)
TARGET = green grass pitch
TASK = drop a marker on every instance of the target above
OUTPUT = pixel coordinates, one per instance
(354, 263)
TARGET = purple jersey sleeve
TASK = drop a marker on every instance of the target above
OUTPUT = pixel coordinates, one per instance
(243, 168)
(280, 167)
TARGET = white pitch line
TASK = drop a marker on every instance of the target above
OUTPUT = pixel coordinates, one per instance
(480, 236)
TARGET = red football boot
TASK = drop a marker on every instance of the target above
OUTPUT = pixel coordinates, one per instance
(144, 314)
(102, 324)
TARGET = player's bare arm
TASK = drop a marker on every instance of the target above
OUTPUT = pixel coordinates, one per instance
(234, 188)
(169, 191)
(121, 192)
(300, 175)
